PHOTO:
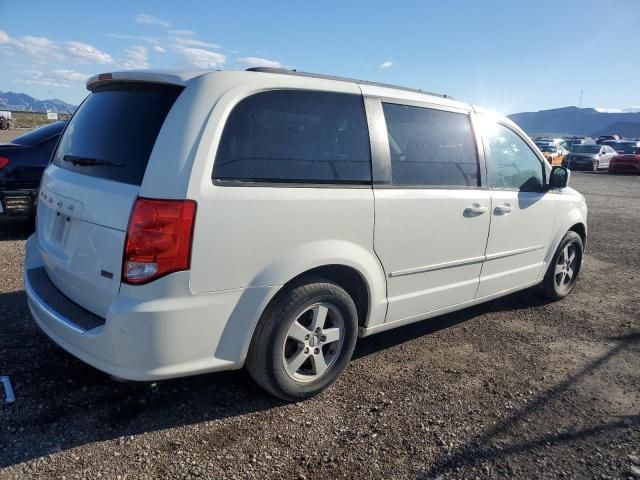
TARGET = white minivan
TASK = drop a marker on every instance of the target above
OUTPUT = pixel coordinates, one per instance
(198, 221)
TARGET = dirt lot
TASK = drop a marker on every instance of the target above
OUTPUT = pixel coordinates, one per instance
(516, 388)
(7, 135)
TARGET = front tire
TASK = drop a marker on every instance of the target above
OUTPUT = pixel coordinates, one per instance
(596, 165)
(304, 340)
(564, 269)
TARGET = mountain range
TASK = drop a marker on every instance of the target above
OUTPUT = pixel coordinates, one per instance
(23, 102)
(578, 121)
(557, 121)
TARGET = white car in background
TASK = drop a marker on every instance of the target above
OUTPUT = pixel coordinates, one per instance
(196, 221)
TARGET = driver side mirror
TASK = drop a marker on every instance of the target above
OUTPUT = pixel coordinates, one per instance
(559, 177)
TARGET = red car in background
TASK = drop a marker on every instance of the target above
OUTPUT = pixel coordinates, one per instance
(628, 158)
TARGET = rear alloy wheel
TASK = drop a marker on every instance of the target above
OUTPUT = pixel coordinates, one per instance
(563, 272)
(304, 340)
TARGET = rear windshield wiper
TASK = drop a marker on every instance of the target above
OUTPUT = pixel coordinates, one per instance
(76, 160)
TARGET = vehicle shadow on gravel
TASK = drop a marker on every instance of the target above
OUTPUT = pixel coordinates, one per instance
(516, 301)
(491, 446)
(15, 229)
(63, 403)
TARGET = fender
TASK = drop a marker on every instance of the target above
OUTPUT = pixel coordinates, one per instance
(569, 212)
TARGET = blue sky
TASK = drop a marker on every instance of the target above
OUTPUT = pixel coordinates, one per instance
(502, 54)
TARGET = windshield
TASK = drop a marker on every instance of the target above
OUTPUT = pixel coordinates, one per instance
(39, 135)
(112, 134)
(547, 148)
(586, 148)
(628, 148)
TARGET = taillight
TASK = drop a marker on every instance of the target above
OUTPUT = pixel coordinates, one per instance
(158, 239)
(4, 161)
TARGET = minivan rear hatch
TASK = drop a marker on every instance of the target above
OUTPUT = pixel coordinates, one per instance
(87, 194)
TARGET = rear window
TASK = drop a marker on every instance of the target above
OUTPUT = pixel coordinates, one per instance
(113, 132)
(296, 136)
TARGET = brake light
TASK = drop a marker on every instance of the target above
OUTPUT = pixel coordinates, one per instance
(4, 161)
(158, 240)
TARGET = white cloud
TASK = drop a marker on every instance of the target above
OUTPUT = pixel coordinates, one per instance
(183, 33)
(159, 49)
(199, 58)
(43, 50)
(151, 20)
(71, 75)
(259, 62)
(38, 48)
(84, 51)
(385, 65)
(193, 42)
(631, 109)
(138, 38)
(38, 78)
(135, 58)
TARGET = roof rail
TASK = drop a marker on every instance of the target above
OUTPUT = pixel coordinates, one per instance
(284, 71)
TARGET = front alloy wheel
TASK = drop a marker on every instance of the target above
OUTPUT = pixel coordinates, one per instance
(562, 273)
(566, 269)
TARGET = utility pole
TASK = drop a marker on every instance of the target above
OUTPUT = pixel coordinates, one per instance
(580, 103)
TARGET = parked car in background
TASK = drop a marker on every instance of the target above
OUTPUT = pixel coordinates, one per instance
(22, 162)
(589, 157)
(603, 138)
(610, 143)
(164, 251)
(570, 142)
(552, 152)
(627, 159)
(626, 146)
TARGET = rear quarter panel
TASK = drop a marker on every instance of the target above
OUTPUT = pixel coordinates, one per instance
(265, 235)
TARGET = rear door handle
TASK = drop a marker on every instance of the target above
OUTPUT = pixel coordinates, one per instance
(475, 210)
(503, 209)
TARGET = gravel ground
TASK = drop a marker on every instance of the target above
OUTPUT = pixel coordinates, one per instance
(515, 388)
(7, 135)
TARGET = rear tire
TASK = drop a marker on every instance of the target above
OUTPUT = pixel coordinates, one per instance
(565, 267)
(304, 340)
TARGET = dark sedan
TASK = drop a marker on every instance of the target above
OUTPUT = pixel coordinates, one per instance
(22, 162)
(589, 157)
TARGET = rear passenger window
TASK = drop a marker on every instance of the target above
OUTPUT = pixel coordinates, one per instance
(430, 147)
(296, 136)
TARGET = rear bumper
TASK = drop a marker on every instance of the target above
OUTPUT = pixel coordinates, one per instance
(154, 338)
(624, 167)
(18, 202)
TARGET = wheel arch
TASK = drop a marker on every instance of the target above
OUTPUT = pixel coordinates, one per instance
(351, 266)
(581, 229)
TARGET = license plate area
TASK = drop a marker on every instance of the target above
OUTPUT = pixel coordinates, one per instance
(60, 228)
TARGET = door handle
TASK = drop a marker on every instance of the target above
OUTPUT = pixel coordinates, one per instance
(503, 209)
(474, 210)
